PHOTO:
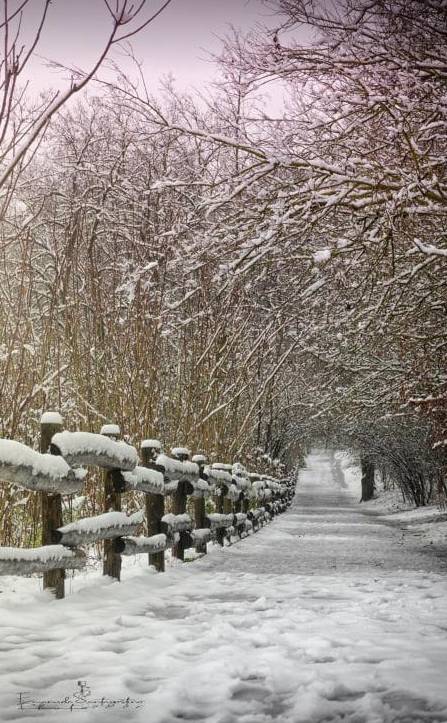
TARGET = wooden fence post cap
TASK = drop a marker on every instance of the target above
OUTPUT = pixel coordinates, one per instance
(199, 459)
(239, 468)
(51, 418)
(150, 444)
(111, 430)
(181, 453)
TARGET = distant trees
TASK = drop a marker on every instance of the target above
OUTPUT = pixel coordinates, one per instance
(401, 450)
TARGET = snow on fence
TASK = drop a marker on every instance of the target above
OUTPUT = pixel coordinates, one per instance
(86, 448)
(19, 561)
(234, 491)
(142, 479)
(138, 545)
(31, 470)
(219, 521)
(176, 523)
(101, 527)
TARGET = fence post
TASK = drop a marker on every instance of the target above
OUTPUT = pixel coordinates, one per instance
(112, 503)
(219, 499)
(219, 502)
(227, 506)
(51, 505)
(179, 500)
(199, 504)
(155, 504)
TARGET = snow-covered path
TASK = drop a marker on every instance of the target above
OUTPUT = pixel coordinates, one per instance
(324, 615)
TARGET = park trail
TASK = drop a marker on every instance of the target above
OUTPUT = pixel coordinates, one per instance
(328, 614)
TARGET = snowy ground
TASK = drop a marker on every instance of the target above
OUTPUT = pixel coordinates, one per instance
(429, 523)
(330, 613)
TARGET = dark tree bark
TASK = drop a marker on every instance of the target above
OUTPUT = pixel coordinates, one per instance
(367, 478)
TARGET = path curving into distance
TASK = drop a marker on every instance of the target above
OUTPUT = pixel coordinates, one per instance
(327, 614)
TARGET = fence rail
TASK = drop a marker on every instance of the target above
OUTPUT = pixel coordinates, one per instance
(59, 469)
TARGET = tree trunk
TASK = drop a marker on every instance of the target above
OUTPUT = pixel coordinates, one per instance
(367, 479)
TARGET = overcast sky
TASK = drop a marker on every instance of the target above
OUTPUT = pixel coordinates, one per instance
(174, 43)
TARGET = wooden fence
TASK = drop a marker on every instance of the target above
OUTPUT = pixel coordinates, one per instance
(243, 501)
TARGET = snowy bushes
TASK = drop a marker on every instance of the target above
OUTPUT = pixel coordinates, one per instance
(402, 450)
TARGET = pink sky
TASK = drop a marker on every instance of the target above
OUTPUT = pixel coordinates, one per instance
(174, 43)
